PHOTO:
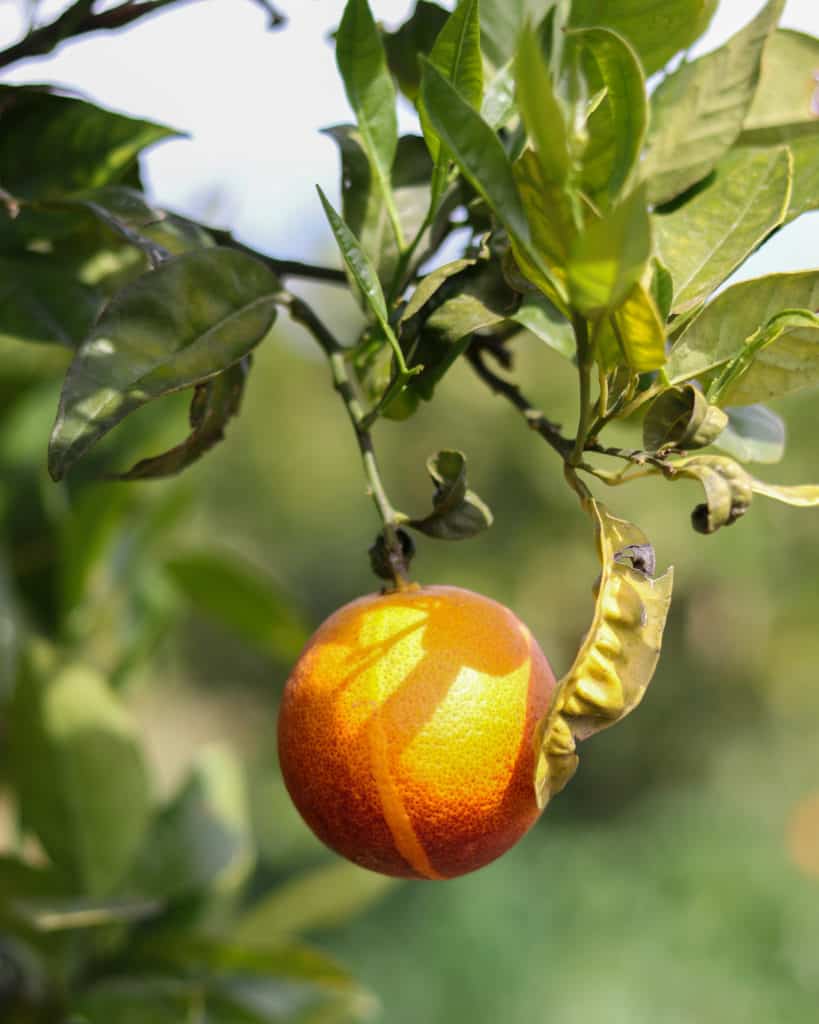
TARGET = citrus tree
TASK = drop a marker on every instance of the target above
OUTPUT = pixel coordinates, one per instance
(576, 177)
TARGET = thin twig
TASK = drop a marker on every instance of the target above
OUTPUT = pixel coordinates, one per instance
(283, 268)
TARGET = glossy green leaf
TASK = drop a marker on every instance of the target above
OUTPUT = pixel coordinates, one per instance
(616, 129)
(457, 55)
(176, 326)
(458, 513)
(801, 496)
(609, 257)
(201, 840)
(476, 148)
(698, 111)
(784, 105)
(633, 336)
(727, 487)
(77, 765)
(753, 434)
(657, 29)
(233, 593)
(547, 323)
(95, 147)
(362, 63)
(719, 333)
(415, 37)
(616, 661)
(430, 285)
(45, 302)
(324, 897)
(542, 112)
(214, 403)
(499, 105)
(706, 239)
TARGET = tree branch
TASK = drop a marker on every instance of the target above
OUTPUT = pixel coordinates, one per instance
(283, 268)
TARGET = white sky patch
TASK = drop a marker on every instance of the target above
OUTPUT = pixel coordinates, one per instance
(253, 102)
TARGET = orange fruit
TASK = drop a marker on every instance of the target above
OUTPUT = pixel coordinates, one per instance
(406, 731)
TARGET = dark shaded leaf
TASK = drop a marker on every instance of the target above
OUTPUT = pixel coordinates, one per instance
(96, 147)
(43, 301)
(728, 490)
(682, 418)
(188, 320)
(458, 513)
(213, 404)
(415, 37)
(547, 323)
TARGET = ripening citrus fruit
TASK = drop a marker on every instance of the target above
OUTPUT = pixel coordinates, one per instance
(406, 731)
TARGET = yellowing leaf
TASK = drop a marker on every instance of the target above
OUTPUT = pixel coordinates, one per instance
(803, 495)
(634, 335)
(617, 658)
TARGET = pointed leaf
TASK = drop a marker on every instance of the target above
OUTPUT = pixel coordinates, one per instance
(698, 111)
(785, 101)
(633, 335)
(542, 113)
(802, 495)
(707, 238)
(719, 333)
(547, 323)
(609, 257)
(415, 37)
(371, 93)
(176, 326)
(77, 766)
(753, 434)
(617, 658)
(657, 29)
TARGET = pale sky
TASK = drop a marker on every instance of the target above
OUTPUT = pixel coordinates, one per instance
(253, 103)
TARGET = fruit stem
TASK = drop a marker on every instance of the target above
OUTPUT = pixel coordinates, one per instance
(336, 354)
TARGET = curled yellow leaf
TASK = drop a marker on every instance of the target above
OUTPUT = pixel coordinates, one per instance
(618, 656)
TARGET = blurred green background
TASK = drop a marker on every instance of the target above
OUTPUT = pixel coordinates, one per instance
(675, 879)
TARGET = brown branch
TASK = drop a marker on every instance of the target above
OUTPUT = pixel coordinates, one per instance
(284, 268)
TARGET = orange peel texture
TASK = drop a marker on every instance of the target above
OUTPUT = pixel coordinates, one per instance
(406, 731)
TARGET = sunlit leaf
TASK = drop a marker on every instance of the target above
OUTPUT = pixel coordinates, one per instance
(176, 326)
(609, 257)
(656, 30)
(707, 238)
(77, 766)
(542, 113)
(371, 93)
(784, 105)
(801, 495)
(719, 333)
(552, 228)
(753, 434)
(617, 658)
(698, 111)
(633, 335)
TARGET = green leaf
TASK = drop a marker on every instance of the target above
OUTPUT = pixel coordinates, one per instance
(782, 358)
(706, 239)
(362, 63)
(96, 147)
(480, 299)
(415, 37)
(801, 496)
(457, 55)
(805, 190)
(176, 326)
(727, 487)
(501, 22)
(430, 285)
(499, 105)
(682, 418)
(547, 323)
(753, 434)
(698, 111)
(617, 127)
(542, 113)
(322, 898)
(228, 590)
(719, 333)
(476, 148)
(60, 915)
(9, 632)
(43, 301)
(657, 29)
(784, 105)
(80, 774)
(633, 335)
(202, 839)
(458, 513)
(609, 257)
(214, 403)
